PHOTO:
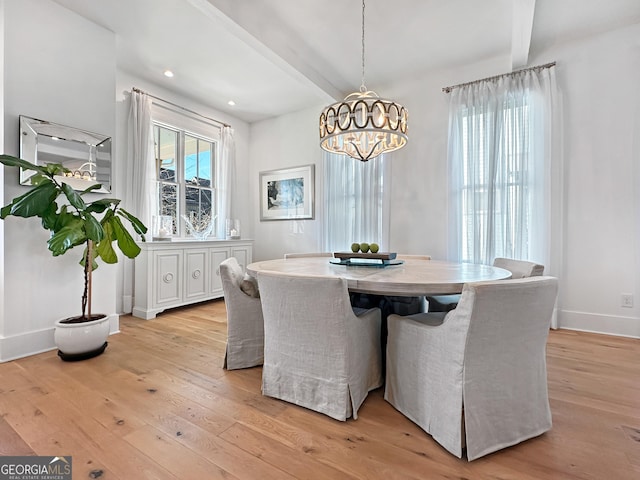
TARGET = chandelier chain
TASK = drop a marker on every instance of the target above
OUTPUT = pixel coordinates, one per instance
(362, 86)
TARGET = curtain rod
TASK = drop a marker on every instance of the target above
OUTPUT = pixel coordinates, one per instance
(539, 67)
(181, 107)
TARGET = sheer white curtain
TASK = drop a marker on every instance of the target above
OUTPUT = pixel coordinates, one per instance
(141, 173)
(505, 160)
(140, 179)
(356, 202)
(227, 179)
(505, 168)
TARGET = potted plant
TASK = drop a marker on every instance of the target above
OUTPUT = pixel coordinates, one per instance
(96, 225)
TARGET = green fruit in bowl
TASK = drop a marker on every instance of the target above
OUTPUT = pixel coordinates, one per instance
(364, 247)
(374, 248)
(355, 247)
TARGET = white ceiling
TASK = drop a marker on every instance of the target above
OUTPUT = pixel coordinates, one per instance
(277, 56)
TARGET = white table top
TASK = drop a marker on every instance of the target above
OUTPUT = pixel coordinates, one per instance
(412, 278)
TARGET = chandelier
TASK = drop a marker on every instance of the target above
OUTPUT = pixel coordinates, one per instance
(363, 125)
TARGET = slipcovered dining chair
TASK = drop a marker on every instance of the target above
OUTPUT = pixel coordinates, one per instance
(245, 326)
(476, 376)
(518, 269)
(318, 353)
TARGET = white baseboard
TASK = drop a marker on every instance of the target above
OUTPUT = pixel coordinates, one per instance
(114, 324)
(32, 343)
(598, 323)
(25, 344)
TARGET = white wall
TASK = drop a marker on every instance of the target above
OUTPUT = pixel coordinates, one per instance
(287, 141)
(598, 77)
(50, 74)
(599, 80)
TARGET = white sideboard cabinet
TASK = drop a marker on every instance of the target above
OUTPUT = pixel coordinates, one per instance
(176, 273)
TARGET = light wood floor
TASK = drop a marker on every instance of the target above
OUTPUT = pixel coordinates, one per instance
(158, 405)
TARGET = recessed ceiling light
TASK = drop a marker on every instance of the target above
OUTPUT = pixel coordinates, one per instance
(168, 73)
(231, 102)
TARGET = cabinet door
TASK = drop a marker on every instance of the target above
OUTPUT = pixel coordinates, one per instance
(216, 257)
(243, 256)
(195, 274)
(167, 277)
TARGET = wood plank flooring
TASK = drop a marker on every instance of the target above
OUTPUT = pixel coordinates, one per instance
(158, 405)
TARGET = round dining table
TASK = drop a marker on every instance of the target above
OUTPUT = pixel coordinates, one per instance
(411, 277)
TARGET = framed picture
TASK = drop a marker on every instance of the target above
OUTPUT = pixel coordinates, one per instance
(287, 194)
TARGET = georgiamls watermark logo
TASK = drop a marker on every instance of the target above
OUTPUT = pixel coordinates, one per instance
(35, 468)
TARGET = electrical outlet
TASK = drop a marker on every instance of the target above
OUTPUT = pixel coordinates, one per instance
(626, 300)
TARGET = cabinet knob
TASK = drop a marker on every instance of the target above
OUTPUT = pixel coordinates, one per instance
(168, 277)
(196, 274)
(217, 271)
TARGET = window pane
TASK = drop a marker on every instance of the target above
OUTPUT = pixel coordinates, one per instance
(197, 161)
(168, 202)
(198, 206)
(204, 162)
(166, 141)
(191, 159)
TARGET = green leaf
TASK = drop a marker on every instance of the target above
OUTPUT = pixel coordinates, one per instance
(50, 216)
(38, 178)
(126, 243)
(11, 161)
(94, 255)
(35, 202)
(110, 201)
(101, 205)
(5, 211)
(104, 249)
(138, 226)
(64, 218)
(74, 197)
(93, 228)
(67, 237)
(95, 186)
(53, 169)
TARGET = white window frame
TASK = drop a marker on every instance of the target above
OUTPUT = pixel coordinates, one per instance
(181, 183)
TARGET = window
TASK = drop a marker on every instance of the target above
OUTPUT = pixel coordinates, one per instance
(496, 195)
(501, 156)
(185, 169)
(357, 202)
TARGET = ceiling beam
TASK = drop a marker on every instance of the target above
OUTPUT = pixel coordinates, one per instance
(523, 12)
(256, 25)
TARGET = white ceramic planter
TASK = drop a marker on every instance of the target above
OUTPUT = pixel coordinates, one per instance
(81, 338)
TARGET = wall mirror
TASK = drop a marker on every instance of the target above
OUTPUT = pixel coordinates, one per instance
(87, 155)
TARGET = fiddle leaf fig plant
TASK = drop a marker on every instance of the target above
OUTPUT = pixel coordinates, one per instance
(96, 225)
